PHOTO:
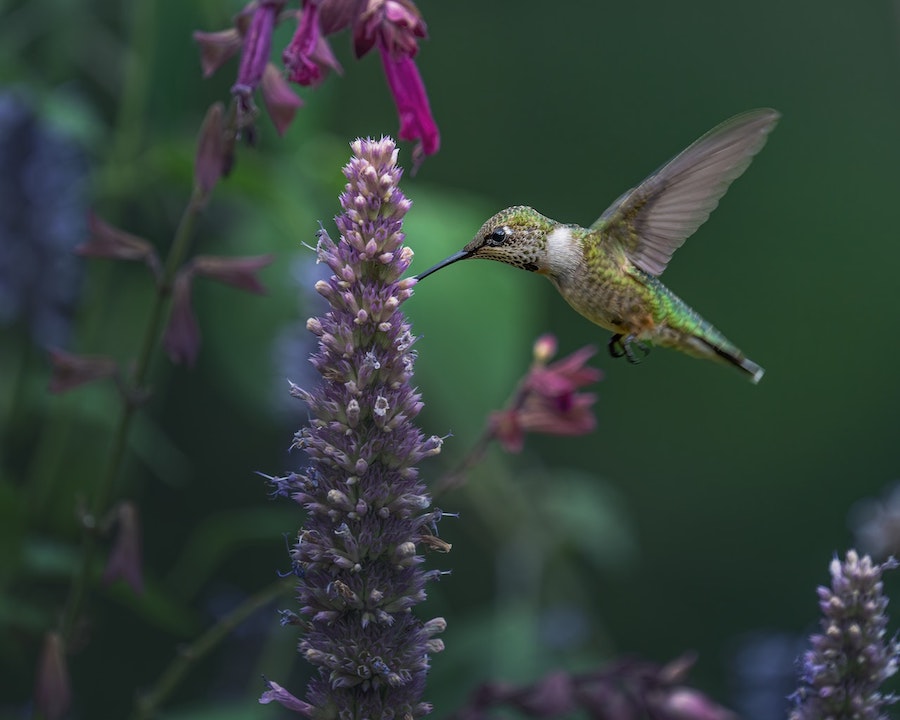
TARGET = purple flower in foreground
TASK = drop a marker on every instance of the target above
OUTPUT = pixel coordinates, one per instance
(357, 556)
(841, 675)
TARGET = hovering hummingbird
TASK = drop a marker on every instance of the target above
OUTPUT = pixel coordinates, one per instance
(609, 272)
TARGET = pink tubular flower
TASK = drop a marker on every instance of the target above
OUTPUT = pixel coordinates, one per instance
(416, 120)
(308, 57)
(548, 400)
(257, 45)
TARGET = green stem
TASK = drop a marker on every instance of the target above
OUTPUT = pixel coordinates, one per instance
(148, 704)
(102, 493)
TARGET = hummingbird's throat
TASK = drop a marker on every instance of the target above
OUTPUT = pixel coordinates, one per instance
(461, 255)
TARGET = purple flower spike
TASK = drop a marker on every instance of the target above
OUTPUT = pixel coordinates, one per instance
(358, 554)
(841, 676)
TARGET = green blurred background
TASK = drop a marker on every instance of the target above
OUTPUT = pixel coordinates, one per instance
(702, 512)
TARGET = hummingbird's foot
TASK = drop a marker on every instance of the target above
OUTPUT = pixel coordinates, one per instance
(620, 346)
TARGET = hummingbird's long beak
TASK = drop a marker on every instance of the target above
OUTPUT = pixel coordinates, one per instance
(461, 255)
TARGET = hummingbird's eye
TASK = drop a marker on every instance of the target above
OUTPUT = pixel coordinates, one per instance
(497, 236)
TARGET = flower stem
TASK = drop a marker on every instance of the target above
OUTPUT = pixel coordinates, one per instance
(177, 252)
(148, 704)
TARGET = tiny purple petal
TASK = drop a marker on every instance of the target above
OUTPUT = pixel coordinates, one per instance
(210, 160)
(53, 690)
(239, 272)
(182, 338)
(216, 48)
(125, 560)
(110, 242)
(276, 693)
(281, 102)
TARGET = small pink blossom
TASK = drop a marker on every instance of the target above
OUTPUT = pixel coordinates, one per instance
(239, 272)
(548, 400)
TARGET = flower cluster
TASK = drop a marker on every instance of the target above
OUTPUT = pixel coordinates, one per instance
(393, 26)
(357, 557)
(548, 400)
(841, 675)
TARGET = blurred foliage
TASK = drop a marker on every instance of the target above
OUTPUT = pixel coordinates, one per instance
(703, 510)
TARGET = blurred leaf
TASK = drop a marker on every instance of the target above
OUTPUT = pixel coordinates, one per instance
(587, 513)
(217, 537)
(12, 528)
(240, 710)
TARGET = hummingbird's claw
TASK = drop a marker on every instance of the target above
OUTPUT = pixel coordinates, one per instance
(616, 349)
(620, 346)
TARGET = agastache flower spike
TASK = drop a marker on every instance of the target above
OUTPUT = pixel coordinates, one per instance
(360, 573)
(841, 675)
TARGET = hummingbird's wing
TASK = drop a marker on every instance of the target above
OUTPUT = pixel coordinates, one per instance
(654, 219)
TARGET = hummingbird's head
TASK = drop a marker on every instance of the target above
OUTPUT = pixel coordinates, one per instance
(515, 236)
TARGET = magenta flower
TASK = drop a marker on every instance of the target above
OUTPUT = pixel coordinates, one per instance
(308, 57)
(548, 400)
(257, 46)
(394, 26)
(416, 120)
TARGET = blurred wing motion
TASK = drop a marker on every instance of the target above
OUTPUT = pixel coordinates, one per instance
(654, 219)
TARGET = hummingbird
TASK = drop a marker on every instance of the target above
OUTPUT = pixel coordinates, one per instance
(609, 272)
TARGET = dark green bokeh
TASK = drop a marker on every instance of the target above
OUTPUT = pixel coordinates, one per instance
(703, 508)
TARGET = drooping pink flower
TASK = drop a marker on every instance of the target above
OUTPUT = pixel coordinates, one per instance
(416, 120)
(257, 46)
(308, 57)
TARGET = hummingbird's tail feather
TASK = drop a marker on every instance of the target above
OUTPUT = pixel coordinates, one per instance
(753, 371)
(730, 355)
